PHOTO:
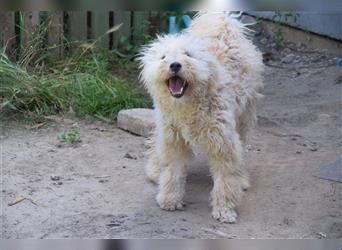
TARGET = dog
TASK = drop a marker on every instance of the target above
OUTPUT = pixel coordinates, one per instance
(204, 83)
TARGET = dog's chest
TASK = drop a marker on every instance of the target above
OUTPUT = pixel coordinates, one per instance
(192, 126)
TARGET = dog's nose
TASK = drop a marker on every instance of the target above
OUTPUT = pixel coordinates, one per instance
(175, 67)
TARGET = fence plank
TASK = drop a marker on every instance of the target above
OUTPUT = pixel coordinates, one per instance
(140, 26)
(30, 26)
(123, 17)
(7, 32)
(99, 26)
(154, 23)
(78, 25)
(56, 34)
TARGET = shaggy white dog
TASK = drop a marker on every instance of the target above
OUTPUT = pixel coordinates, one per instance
(204, 83)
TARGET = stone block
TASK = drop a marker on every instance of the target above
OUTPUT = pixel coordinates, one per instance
(138, 121)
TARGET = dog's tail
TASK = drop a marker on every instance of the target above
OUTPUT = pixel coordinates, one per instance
(218, 25)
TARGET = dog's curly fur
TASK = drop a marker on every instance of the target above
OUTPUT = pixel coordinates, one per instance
(222, 72)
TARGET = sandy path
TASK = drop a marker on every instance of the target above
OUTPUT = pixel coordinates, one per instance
(101, 193)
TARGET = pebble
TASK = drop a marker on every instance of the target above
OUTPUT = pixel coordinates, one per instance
(338, 80)
(130, 156)
(288, 59)
(321, 235)
(286, 221)
(55, 178)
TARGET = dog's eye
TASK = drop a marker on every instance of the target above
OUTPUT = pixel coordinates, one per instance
(187, 54)
(163, 57)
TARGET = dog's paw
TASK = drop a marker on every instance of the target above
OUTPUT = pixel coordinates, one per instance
(225, 214)
(169, 205)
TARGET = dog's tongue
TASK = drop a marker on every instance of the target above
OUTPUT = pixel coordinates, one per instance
(176, 85)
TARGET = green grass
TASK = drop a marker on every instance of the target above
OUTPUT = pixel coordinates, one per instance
(81, 85)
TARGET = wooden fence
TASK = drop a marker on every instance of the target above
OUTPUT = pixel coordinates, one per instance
(17, 29)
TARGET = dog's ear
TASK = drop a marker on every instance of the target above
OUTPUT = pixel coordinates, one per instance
(146, 55)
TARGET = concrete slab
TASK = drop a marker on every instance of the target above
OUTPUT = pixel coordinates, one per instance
(137, 121)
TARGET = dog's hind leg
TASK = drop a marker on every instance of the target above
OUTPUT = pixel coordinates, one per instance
(175, 156)
(152, 168)
(229, 177)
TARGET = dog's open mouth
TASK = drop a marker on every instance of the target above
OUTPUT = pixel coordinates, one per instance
(177, 86)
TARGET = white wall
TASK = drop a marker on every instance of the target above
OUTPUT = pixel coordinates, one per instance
(322, 23)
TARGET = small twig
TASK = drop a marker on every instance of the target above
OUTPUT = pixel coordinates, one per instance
(103, 176)
(21, 198)
(333, 187)
(18, 200)
(37, 126)
(219, 233)
(302, 67)
(322, 235)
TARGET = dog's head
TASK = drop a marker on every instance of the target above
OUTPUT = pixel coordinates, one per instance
(176, 66)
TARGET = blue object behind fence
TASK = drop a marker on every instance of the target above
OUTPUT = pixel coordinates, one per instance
(340, 62)
(175, 27)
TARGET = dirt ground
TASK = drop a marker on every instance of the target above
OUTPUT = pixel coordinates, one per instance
(97, 189)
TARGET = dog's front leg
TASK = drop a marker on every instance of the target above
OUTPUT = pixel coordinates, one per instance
(228, 175)
(175, 155)
(152, 168)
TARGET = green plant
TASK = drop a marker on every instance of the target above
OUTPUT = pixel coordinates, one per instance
(278, 17)
(285, 16)
(83, 84)
(70, 136)
(279, 36)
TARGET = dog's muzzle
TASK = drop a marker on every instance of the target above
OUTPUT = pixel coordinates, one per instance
(176, 86)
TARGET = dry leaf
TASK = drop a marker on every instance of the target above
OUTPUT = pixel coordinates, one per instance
(18, 200)
(21, 198)
(113, 29)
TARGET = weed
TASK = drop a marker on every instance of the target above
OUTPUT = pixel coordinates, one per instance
(70, 136)
(279, 36)
(81, 85)
(280, 16)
